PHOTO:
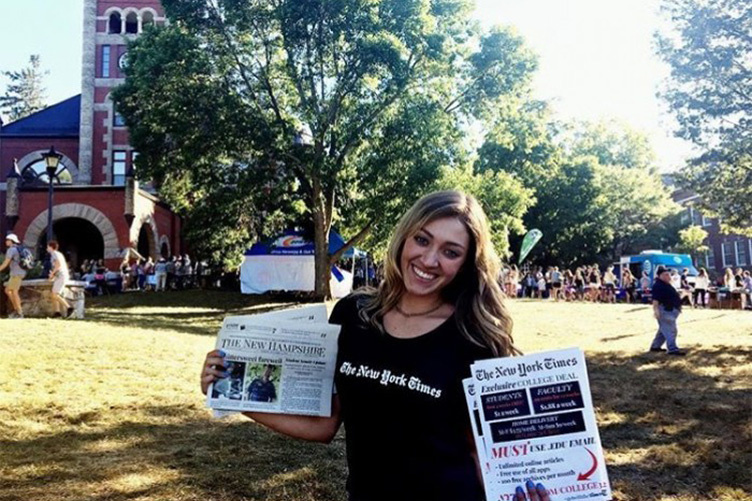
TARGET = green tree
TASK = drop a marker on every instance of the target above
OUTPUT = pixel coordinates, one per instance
(612, 142)
(709, 49)
(25, 94)
(598, 193)
(236, 81)
(692, 241)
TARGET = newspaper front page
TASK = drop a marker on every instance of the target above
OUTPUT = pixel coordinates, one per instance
(280, 362)
(537, 422)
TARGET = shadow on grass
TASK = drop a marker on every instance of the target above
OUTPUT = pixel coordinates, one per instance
(162, 311)
(176, 459)
(671, 431)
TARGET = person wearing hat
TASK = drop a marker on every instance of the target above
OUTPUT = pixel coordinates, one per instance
(17, 274)
(666, 308)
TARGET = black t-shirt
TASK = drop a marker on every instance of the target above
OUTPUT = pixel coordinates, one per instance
(262, 391)
(666, 295)
(403, 406)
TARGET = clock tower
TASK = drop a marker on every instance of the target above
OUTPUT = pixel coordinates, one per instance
(104, 153)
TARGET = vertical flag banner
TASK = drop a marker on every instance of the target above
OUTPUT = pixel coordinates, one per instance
(532, 238)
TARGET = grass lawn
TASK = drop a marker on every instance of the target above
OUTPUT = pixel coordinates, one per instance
(109, 408)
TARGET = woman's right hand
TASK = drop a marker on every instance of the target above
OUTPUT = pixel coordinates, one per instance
(213, 369)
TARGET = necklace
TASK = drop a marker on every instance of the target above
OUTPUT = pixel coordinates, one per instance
(420, 314)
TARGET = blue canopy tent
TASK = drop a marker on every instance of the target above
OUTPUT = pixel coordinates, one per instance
(287, 263)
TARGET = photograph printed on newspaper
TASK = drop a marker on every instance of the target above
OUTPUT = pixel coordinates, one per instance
(537, 423)
(279, 362)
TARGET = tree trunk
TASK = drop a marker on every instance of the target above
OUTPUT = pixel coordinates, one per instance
(321, 240)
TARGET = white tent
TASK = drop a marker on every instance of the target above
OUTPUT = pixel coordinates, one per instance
(287, 264)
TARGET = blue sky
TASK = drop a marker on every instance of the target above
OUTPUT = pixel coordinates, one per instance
(596, 56)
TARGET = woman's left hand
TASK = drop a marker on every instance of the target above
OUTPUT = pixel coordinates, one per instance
(534, 493)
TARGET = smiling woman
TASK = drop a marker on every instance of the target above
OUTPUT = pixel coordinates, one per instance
(404, 350)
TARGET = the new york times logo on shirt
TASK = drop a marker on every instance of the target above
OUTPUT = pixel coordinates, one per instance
(388, 378)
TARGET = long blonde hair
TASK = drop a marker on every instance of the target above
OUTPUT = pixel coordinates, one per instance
(475, 292)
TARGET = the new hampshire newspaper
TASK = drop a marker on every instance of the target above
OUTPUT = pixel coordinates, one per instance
(280, 362)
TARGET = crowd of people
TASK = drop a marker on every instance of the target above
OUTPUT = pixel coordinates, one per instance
(144, 274)
(589, 283)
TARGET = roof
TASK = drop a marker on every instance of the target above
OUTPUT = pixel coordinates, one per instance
(61, 120)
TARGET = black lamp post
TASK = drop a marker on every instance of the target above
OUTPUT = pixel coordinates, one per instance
(52, 161)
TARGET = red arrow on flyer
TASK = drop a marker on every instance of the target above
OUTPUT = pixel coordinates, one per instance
(587, 474)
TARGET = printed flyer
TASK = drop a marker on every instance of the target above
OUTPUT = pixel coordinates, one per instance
(537, 423)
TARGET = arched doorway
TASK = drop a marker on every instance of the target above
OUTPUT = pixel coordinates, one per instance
(145, 241)
(79, 239)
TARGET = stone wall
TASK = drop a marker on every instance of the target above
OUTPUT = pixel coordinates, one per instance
(36, 298)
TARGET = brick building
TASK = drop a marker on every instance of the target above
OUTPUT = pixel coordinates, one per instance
(99, 210)
(725, 251)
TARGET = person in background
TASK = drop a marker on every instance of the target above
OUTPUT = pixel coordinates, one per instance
(59, 275)
(141, 274)
(160, 271)
(180, 273)
(666, 310)
(702, 282)
(512, 281)
(540, 279)
(84, 268)
(149, 273)
(685, 288)
(594, 282)
(579, 284)
(609, 283)
(556, 282)
(739, 278)
(675, 279)
(628, 284)
(747, 284)
(568, 285)
(728, 279)
(133, 281)
(187, 269)
(125, 274)
(17, 274)
(171, 268)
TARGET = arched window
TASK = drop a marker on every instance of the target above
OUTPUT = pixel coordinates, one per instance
(147, 19)
(35, 174)
(131, 23)
(115, 24)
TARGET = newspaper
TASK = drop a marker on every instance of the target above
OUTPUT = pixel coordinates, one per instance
(279, 362)
(537, 423)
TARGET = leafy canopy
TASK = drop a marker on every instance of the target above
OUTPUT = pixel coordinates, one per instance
(709, 49)
(374, 92)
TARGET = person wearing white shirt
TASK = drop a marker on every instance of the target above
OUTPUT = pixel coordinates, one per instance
(702, 281)
(59, 275)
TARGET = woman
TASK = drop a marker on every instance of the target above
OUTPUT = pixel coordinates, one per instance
(594, 281)
(59, 275)
(701, 287)
(685, 288)
(628, 283)
(513, 279)
(438, 310)
(579, 284)
(728, 279)
(609, 282)
(556, 282)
